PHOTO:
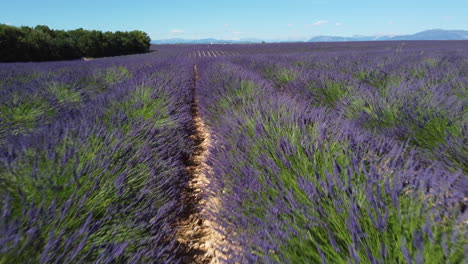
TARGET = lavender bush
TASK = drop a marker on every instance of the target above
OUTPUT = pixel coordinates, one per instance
(93, 161)
(303, 182)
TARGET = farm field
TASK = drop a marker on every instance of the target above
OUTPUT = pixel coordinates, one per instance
(247, 153)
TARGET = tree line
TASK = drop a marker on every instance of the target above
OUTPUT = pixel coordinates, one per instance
(44, 44)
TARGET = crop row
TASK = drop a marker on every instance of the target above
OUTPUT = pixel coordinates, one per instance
(312, 166)
(303, 49)
(418, 98)
(92, 161)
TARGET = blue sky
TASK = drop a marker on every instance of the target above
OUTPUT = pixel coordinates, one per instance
(265, 19)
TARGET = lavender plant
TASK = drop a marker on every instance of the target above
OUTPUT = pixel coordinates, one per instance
(300, 183)
(93, 161)
(416, 95)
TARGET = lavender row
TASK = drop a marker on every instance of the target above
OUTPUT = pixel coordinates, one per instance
(92, 160)
(300, 183)
(304, 48)
(417, 96)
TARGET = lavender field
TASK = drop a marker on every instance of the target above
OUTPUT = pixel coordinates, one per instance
(252, 153)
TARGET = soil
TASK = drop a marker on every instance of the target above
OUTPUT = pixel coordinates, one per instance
(199, 240)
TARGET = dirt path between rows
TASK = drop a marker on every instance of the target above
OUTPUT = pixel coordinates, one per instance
(198, 237)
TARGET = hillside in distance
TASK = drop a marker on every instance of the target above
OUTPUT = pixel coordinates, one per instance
(205, 41)
(433, 34)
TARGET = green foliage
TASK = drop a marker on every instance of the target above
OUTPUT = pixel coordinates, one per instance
(329, 92)
(43, 44)
(64, 93)
(284, 76)
(22, 112)
(104, 78)
(374, 78)
(141, 105)
(378, 116)
(431, 62)
(114, 75)
(238, 96)
(299, 63)
(432, 129)
(418, 73)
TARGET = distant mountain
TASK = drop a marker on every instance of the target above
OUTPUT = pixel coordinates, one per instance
(341, 39)
(204, 41)
(434, 34)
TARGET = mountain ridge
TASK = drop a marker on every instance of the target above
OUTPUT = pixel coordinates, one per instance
(432, 34)
(204, 41)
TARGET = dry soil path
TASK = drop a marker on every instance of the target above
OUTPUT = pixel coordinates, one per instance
(198, 236)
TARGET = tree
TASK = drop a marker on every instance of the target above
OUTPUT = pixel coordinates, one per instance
(42, 43)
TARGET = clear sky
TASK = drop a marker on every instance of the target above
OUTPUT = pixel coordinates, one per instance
(264, 19)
